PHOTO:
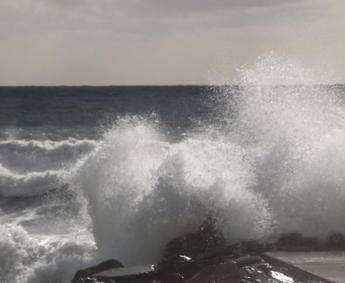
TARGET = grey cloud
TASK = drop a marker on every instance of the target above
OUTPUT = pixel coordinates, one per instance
(174, 6)
(157, 16)
(115, 14)
(186, 6)
(147, 17)
(158, 41)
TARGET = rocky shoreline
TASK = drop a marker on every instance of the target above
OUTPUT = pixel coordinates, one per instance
(203, 256)
(226, 269)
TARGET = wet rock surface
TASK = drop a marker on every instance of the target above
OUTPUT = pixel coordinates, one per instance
(82, 275)
(203, 256)
(248, 269)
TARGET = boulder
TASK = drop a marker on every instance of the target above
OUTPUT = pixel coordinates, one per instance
(105, 265)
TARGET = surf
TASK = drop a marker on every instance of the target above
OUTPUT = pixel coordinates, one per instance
(273, 164)
(266, 159)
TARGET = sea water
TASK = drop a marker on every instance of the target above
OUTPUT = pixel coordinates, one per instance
(92, 173)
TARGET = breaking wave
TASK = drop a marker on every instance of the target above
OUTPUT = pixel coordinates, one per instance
(34, 155)
(144, 191)
(32, 167)
(270, 162)
(44, 236)
(24, 258)
(21, 185)
(274, 164)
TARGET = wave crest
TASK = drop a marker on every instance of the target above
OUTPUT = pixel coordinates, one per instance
(23, 156)
(274, 164)
(144, 191)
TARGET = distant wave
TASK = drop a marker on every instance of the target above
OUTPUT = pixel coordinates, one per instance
(28, 184)
(31, 167)
(24, 156)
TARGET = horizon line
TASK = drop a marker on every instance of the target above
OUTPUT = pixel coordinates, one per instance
(161, 85)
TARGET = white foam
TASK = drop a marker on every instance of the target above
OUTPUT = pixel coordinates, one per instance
(276, 166)
(24, 156)
(144, 191)
(29, 184)
(299, 134)
(27, 258)
(33, 167)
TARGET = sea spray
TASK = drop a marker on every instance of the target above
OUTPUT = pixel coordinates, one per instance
(294, 131)
(144, 191)
(269, 159)
(272, 165)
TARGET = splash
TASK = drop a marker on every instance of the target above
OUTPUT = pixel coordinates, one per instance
(296, 133)
(144, 191)
(272, 163)
(269, 160)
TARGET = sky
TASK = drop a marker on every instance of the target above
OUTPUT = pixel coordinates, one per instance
(165, 42)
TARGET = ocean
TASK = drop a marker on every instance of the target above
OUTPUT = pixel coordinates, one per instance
(92, 173)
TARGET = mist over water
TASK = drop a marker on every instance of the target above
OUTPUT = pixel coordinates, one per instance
(264, 158)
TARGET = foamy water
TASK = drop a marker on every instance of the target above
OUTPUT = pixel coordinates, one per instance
(272, 161)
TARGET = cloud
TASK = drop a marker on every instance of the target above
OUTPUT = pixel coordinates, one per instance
(187, 6)
(159, 41)
(142, 16)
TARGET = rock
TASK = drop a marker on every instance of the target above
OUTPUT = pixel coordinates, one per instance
(249, 260)
(247, 269)
(204, 257)
(205, 242)
(215, 270)
(225, 271)
(105, 265)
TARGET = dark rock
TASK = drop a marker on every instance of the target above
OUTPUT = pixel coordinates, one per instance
(249, 260)
(206, 241)
(217, 270)
(105, 265)
(225, 271)
(247, 269)
(204, 257)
